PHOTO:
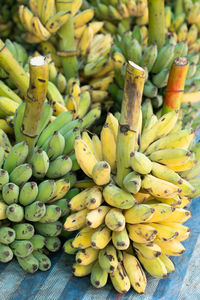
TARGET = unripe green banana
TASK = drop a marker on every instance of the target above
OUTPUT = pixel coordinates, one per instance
(108, 259)
(71, 125)
(10, 193)
(67, 247)
(150, 90)
(149, 56)
(35, 211)
(70, 140)
(132, 182)
(59, 167)
(52, 214)
(44, 261)
(29, 264)
(40, 163)
(53, 243)
(164, 57)
(4, 178)
(85, 102)
(16, 157)
(56, 145)
(134, 51)
(7, 235)
(52, 229)
(18, 120)
(24, 231)
(22, 248)
(72, 193)
(6, 253)
(98, 276)
(160, 79)
(63, 205)
(120, 239)
(46, 190)
(21, 174)
(191, 70)
(28, 193)
(15, 213)
(75, 165)
(38, 241)
(115, 196)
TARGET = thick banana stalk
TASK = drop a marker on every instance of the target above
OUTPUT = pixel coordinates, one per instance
(175, 85)
(67, 49)
(156, 23)
(36, 96)
(131, 105)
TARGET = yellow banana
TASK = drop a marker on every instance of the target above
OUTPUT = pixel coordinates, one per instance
(80, 270)
(155, 267)
(93, 199)
(164, 232)
(108, 146)
(172, 247)
(85, 41)
(76, 4)
(161, 212)
(141, 233)
(79, 31)
(86, 138)
(176, 156)
(96, 217)
(3, 208)
(139, 214)
(120, 279)
(54, 23)
(101, 173)
(83, 18)
(97, 147)
(115, 220)
(39, 30)
(149, 251)
(82, 239)
(101, 237)
(78, 202)
(167, 262)
(179, 215)
(140, 163)
(76, 221)
(45, 10)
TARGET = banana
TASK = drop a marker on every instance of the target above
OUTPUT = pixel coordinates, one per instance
(16, 157)
(85, 41)
(15, 212)
(21, 248)
(86, 256)
(52, 243)
(135, 272)
(120, 239)
(51, 229)
(82, 239)
(30, 264)
(85, 102)
(149, 251)
(3, 208)
(40, 163)
(101, 237)
(84, 156)
(52, 214)
(120, 279)
(39, 30)
(76, 221)
(163, 58)
(160, 188)
(179, 215)
(183, 231)
(23, 231)
(77, 203)
(46, 190)
(192, 172)
(180, 139)
(10, 193)
(35, 211)
(56, 145)
(46, 9)
(5, 91)
(86, 138)
(160, 129)
(67, 247)
(55, 22)
(164, 233)
(172, 247)
(93, 198)
(155, 267)
(80, 271)
(98, 276)
(132, 182)
(28, 193)
(83, 18)
(141, 233)
(189, 164)
(44, 261)
(149, 57)
(167, 262)
(7, 235)
(4, 178)
(176, 156)
(108, 259)
(62, 187)
(6, 253)
(139, 214)
(70, 140)
(101, 173)
(59, 167)
(163, 172)
(117, 197)
(108, 146)
(161, 212)
(115, 220)
(140, 163)
(21, 174)
(95, 218)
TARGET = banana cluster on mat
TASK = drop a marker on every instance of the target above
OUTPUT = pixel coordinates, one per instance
(182, 19)
(123, 229)
(157, 65)
(33, 202)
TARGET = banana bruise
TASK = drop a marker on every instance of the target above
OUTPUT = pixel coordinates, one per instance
(141, 233)
(6, 253)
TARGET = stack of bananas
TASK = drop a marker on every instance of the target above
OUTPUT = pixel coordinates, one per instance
(157, 65)
(182, 19)
(139, 223)
(120, 13)
(32, 201)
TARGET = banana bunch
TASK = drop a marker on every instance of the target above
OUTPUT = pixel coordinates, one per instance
(182, 19)
(137, 225)
(115, 11)
(33, 201)
(157, 65)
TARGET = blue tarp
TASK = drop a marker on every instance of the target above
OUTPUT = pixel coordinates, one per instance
(59, 284)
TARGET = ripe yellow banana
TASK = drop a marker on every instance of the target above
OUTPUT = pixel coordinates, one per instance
(93, 198)
(161, 212)
(115, 220)
(120, 279)
(139, 214)
(155, 267)
(83, 18)
(86, 256)
(76, 221)
(172, 247)
(141, 233)
(95, 218)
(101, 237)
(82, 239)
(149, 251)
